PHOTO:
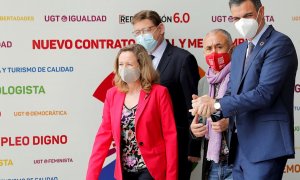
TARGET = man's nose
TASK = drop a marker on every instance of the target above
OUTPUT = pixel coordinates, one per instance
(214, 50)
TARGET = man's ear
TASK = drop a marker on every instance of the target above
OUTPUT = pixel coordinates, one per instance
(162, 28)
(263, 10)
(231, 48)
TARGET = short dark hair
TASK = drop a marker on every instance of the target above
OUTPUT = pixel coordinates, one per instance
(147, 14)
(256, 3)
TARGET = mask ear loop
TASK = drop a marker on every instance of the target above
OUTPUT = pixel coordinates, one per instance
(229, 50)
(155, 28)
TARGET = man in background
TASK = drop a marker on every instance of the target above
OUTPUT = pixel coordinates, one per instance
(178, 71)
(217, 49)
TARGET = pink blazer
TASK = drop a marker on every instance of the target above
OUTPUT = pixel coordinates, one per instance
(155, 134)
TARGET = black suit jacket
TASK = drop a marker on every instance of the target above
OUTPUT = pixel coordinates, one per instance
(178, 71)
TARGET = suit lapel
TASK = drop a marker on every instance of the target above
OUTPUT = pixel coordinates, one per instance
(262, 41)
(238, 66)
(143, 100)
(241, 61)
(117, 112)
(165, 59)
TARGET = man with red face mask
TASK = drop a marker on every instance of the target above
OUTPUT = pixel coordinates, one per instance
(217, 49)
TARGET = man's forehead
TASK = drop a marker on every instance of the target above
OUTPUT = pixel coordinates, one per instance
(143, 23)
(215, 38)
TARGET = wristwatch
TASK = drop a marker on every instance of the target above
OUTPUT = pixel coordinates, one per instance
(217, 105)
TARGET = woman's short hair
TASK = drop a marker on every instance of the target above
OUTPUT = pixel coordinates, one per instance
(148, 75)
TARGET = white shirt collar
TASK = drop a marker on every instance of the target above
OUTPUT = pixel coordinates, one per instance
(158, 53)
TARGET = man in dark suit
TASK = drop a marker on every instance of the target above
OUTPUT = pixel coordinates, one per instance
(178, 71)
(260, 96)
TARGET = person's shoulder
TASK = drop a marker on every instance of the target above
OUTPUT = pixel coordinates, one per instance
(112, 90)
(203, 80)
(159, 91)
(158, 87)
(178, 51)
(241, 46)
(203, 86)
(279, 37)
(181, 51)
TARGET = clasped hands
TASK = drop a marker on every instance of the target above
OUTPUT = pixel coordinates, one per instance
(202, 106)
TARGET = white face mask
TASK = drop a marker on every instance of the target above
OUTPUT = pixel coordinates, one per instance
(247, 27)
(129, 75)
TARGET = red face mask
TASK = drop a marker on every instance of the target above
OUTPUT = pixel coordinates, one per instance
(217, 61)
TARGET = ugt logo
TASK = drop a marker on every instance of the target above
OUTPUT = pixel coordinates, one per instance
(297, 88)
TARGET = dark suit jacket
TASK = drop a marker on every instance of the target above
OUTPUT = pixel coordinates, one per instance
(261, 100)
(178, 71)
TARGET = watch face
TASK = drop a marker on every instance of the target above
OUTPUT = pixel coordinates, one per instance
(217, 105)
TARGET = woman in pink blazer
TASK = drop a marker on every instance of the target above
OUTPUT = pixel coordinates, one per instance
(138, 116)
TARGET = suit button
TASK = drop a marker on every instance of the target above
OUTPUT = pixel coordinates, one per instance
(141, 144)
